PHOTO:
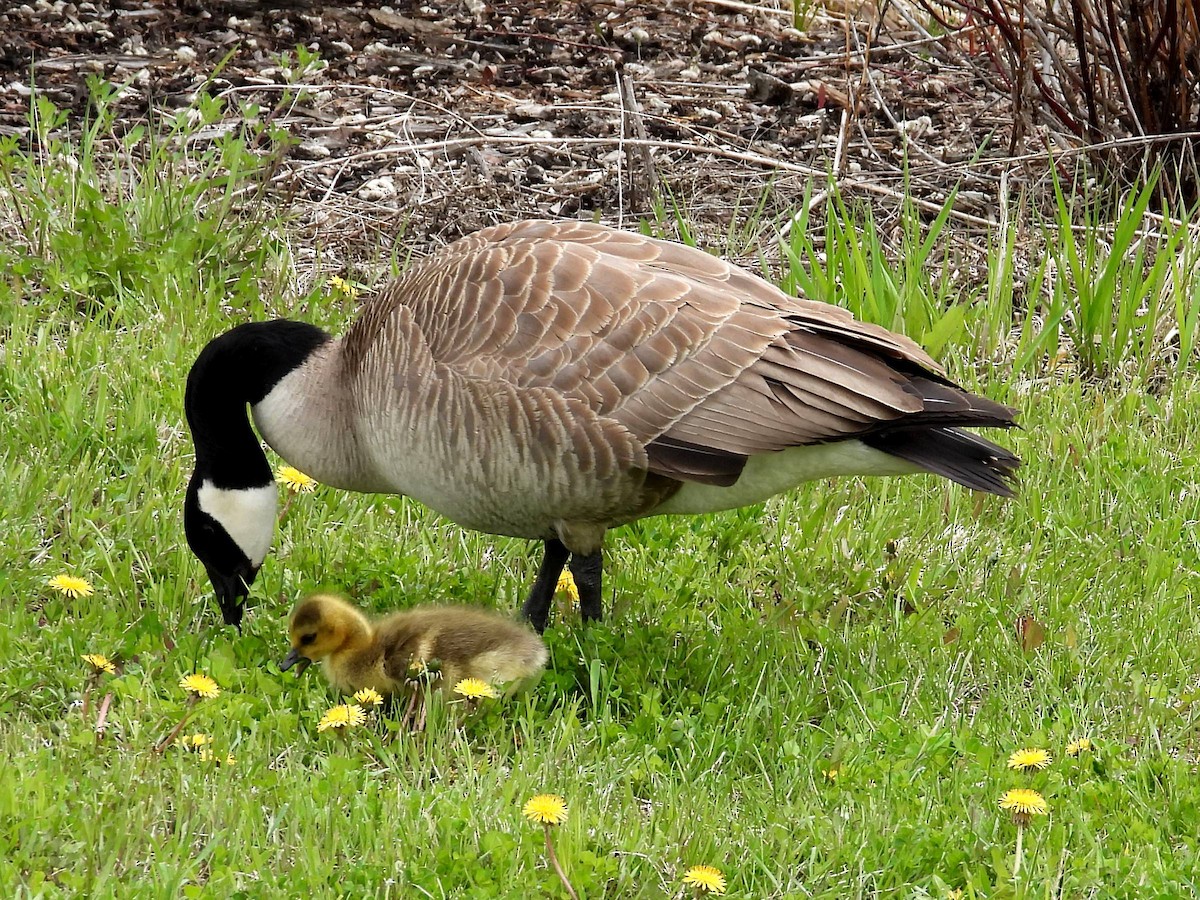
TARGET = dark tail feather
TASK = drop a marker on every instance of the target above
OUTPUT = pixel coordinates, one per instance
(948, 406)
(961, 456)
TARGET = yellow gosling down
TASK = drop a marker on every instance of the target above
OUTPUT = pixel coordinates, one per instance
(357, 652)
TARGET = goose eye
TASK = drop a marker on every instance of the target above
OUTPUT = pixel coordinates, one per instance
(307, 639)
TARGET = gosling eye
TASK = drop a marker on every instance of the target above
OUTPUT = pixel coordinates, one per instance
(307, 639)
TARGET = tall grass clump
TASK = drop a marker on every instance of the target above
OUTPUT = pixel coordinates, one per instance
(1111, 288)
(851, 267)
(1124, 284)
(105, 217)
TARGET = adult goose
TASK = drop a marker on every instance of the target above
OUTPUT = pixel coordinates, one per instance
(551, 380)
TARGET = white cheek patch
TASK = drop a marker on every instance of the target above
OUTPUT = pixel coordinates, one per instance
(246, 514)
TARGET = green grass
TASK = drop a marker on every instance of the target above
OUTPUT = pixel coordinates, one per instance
(862, 627)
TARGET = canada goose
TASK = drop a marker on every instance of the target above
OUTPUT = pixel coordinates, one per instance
(550, 380)
(357, 653)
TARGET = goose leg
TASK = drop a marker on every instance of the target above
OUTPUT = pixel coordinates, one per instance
(537, 607)
(587, 572)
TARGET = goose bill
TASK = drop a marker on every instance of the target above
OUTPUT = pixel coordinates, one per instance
(232, 590)
(295, 659)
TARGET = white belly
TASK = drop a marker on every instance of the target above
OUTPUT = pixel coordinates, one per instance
(772, 473)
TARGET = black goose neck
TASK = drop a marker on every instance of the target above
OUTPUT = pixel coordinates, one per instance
(237, 368)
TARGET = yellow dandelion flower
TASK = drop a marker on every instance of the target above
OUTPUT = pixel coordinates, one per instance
(955, 894)
(566, 585)
(1079, 745)
(342, 286)
(348, 715)
(549, 809)
(295, 480)
(208, 755)
(831, 774)
(1028, 759)
(368, 697)
(709, 879)
(195, 741)
(1024, 804)
(200, 685)
(100, 663)
(475, 688)
(71, 585)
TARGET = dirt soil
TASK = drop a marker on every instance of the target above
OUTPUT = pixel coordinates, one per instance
(428, 122)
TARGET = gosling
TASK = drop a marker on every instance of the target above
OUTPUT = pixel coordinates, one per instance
(358, 653)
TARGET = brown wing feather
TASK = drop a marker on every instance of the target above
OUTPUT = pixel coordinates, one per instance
(703, 363)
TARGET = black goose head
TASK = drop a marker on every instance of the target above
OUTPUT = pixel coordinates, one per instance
(230, 507)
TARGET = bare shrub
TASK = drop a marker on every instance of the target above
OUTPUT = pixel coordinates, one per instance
(1120, 75)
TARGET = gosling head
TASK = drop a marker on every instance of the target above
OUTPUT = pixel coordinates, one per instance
(321, 625)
